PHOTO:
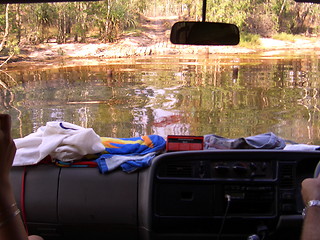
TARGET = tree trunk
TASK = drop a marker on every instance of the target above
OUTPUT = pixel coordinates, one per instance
(18, 22)
(6, 31)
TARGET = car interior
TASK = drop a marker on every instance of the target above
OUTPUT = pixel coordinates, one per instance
(200, 194)
(185, 194)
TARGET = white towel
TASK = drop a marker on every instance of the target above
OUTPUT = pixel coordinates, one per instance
(60, 140)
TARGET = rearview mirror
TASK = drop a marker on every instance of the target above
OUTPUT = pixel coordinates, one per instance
(204, 33)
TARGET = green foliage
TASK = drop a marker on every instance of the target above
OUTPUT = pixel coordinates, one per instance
(12, 47)
(263, 17)
(45, 14)
(108, 19)
(2, 17)
(231, 11)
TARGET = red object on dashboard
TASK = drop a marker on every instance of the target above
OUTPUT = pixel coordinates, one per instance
(184, 143)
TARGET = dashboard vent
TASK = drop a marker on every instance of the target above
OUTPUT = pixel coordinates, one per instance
(287, 175)
(179, 170)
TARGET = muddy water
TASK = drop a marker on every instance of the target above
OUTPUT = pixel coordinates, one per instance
(232, 96)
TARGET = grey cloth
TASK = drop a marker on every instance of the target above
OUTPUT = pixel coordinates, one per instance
(261, 141)
(301, 147)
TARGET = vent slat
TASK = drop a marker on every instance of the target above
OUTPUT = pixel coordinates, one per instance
(287, 176)
(179, 170)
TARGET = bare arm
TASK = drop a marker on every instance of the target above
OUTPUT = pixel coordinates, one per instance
(311, 191)
(11, 225)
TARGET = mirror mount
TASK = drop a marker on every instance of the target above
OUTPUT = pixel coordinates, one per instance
(204, 10)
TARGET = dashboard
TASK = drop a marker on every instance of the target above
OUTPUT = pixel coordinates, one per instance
(233, 194)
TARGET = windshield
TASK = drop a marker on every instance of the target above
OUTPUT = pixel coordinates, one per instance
(110, 66)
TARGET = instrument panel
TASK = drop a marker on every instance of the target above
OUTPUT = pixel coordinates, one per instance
(229, 194)
(220, 169)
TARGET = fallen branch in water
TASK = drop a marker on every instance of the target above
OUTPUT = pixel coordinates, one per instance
(7, 60)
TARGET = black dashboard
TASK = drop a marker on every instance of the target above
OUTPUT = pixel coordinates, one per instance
(232, 194)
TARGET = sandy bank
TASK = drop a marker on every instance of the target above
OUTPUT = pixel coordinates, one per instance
(154, 41)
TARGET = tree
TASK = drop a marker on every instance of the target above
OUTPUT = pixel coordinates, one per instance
(112, 17)
(108, 19)
(6, 30)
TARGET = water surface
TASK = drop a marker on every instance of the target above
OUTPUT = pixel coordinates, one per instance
(231, 96)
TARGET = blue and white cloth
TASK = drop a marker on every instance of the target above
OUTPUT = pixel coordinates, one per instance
(129, 153)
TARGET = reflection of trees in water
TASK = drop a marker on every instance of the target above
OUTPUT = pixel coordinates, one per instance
(232, 98)
(265, 97)
(7, 97)
(303, 76)
(293, 84)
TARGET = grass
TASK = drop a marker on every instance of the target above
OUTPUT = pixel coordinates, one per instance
(249, 40)
(285, 37)
(292, 37)
(135, 32)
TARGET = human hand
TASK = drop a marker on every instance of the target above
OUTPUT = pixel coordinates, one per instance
(7, 148)
(310, 189)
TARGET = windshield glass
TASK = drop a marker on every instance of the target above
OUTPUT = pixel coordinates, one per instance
(127, 80)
